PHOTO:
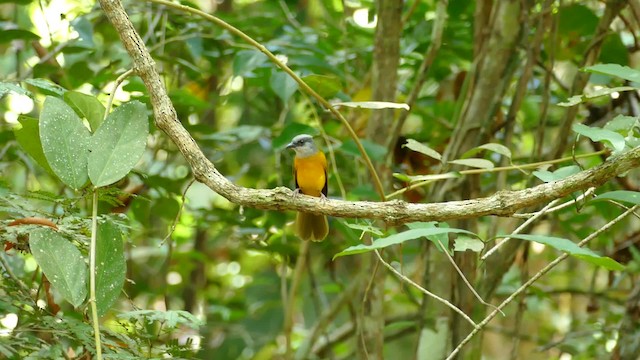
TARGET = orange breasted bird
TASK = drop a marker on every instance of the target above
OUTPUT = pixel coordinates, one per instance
(310, 175)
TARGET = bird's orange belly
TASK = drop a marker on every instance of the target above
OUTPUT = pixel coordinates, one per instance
(310, 175)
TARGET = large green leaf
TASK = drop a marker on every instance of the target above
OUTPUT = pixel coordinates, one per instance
(61, 262)
(65, 142)
(375, 151)
(632, 197)
(325, 86)
(86, 106)
(246, 61)
(283, 85)
(611, 138)
(559, 174)
(46, 87)
(8, 35)
(118, 143)
(111, 267)
(7, 87)
(28, 136)
(399, 238)
(623, 72)
(573, 249)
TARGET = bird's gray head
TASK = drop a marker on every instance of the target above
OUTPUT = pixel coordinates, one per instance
(303, 145)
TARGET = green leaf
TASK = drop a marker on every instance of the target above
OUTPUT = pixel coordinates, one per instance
(632, 197)
(86, 106)
(603, 261)
(325, 86)
(65, 142)
(8, 35)
(366, 228)
(398, 239)
(17, 2)
(374, 105)
(621, 123)
(578, 99)
(474, 162)
(434, 177)
(111, 267)
(246, 61)
(436, 238)
(170, 318)
(464, 243)
(7, 87)
(563, 172)
(375, 151)
(614, 50)
(623, 72)
(283, 85)
(28, 136)
(118, 143)
(422, 148)
(571, 248)
(61, 262)
(46, 87)
(615, 140)
(497, 148)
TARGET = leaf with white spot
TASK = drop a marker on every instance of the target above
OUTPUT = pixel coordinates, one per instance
(373, 105)
(474, 162)
(497, 148)
(422, 148)
(111, 267)
(61, 262)
(65, 142)
(118, 143)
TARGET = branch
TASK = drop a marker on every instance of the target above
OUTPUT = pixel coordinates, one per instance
(502, 203)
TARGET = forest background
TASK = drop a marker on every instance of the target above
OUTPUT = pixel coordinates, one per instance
(143, 207)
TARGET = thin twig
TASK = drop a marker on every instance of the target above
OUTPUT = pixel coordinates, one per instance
(586, 194)
(423, 290)
(174, 224)
(116, 85)
(464, 279)
(519, 229)
(533, 279)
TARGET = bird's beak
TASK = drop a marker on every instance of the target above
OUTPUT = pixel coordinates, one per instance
(290, 145)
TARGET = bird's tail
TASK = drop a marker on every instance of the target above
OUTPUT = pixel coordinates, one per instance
(311, 227)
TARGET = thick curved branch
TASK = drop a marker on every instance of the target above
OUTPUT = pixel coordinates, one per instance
(502, 203)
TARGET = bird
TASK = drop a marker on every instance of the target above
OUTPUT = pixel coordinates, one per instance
(310, 175)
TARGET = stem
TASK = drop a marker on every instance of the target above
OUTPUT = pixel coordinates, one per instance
(425, 291)
(92, 275)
